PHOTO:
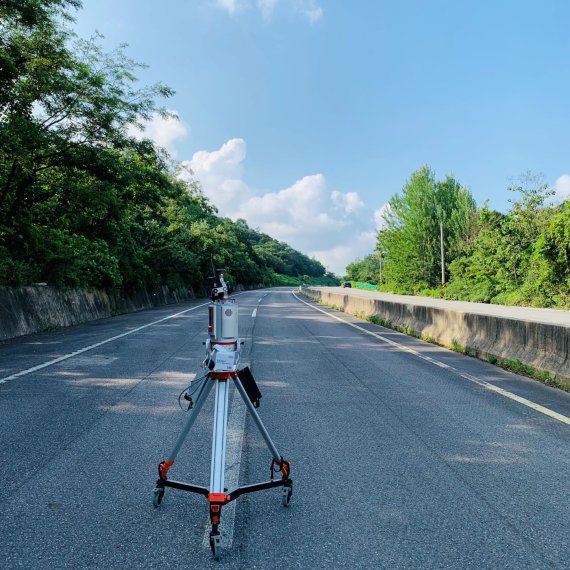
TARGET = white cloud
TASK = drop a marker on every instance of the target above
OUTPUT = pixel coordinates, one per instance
(339, 256)
(313, 14)
(220, 172)
(164, 131)
(267, 7)
(562, 187)
(348, 203)
(380, 216)
(304, 214)
(231, 6)
(307, 8)
(333, 226)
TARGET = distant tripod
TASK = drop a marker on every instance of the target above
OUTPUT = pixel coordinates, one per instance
(223, 350)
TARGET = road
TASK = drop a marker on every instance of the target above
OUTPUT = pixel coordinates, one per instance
(402, 457)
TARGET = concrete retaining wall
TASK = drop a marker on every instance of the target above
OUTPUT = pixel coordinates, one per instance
(27, 310)
(544, 346)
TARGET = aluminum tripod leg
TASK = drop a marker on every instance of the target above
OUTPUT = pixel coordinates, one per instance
(201, 398)
(257, 420)
(218, 496)
(164, 466)
(219, 437)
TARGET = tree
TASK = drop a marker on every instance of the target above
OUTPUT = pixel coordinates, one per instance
(479, 273)
(548, 278)
(83, 203)
(367, 270)
(64, 113)
(525, 222)
(413, 249)
(495, 265)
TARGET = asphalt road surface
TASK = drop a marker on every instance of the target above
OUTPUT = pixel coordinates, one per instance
(403, 454)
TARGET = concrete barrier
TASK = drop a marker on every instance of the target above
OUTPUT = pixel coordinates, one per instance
(541, 345)
(27, 310)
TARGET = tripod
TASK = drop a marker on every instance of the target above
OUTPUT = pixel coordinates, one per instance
(220, 369)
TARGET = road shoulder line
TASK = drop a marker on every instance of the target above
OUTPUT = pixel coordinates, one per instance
(528, 403)
(91, 347)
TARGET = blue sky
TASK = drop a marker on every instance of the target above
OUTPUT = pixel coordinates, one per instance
(306, 116)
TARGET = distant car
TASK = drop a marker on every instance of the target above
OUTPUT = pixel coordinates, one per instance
(347, 284)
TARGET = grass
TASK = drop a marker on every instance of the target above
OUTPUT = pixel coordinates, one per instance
(428, 338)
(380, 321)
(518, 367)
(467, 350)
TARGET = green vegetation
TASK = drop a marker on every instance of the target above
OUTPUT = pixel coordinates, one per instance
(409, 245)
(364, 270)
(286, 280)
(85, 204)
(516, 366)
(436, 242)
(457, 347)
(467, 350)
(428, 338)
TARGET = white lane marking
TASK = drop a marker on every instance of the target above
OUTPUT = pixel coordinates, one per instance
(254, 314)
(472, 378)
(383, 338)
(234, 442)
(436, 362)
(91, 347)
(530, 404)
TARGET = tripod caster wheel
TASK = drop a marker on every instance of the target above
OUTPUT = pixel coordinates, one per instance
(286, 495)
(158, 493)
(216, 545)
